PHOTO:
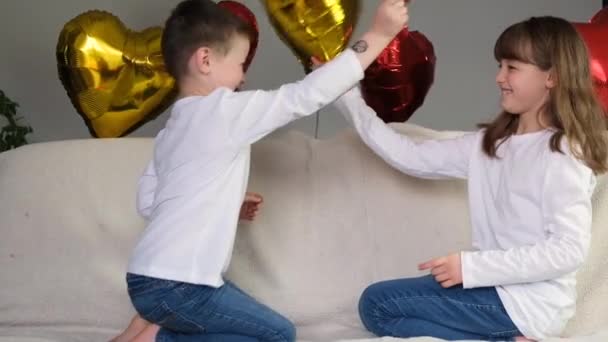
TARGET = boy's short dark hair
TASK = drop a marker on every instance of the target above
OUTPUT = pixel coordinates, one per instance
(197, 23)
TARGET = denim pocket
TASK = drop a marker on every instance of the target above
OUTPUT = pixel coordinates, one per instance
(140, 285)
(169, 319)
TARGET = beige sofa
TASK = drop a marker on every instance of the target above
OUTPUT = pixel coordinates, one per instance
(336, 218)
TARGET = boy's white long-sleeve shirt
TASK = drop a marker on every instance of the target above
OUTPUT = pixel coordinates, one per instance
(192, 190)
(530, 212)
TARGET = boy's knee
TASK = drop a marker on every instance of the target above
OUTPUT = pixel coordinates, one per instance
(287, 331)
(290, 333)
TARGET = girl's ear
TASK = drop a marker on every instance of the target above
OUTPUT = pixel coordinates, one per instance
(551, 79)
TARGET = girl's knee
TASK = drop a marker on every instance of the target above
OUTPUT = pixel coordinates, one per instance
(370, 298)
(369, 312)
(370, 293)
(365, 304)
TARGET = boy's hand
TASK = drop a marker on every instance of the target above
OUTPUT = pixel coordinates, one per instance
(447, 270)
(251, 205)
(391, 17)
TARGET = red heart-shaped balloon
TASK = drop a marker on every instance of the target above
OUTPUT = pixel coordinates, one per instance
(396, 84)
(245, 14)
(595, 35)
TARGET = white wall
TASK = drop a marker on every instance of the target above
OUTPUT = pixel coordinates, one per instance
(462, 31)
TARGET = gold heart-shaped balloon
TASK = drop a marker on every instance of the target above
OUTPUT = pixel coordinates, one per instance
(115, 77)
(318, 28)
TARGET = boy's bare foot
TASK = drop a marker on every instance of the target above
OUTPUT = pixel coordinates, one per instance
(136, 326)
(148, 334)
(523, 339)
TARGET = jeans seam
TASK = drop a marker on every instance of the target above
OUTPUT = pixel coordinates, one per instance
(181, 316)
(478, 306)
(245, 322)
(385, 328)
(504, 333)
(161, 336)
(171, 312)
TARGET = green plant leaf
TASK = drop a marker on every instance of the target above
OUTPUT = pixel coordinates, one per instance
(13, 134)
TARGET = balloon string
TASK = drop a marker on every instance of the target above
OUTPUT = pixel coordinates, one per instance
(317, 125)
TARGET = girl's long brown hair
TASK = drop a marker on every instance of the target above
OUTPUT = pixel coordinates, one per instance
(573, 110)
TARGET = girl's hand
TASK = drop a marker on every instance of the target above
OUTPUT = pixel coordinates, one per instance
(391, 17)
(315, 62)
(447, 270)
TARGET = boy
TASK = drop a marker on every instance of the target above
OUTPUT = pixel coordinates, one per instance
(192, 190)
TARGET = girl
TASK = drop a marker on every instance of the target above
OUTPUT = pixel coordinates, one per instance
(531, 173)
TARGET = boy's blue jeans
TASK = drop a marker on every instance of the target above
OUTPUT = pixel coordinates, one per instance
(421, 307)
(189, 312)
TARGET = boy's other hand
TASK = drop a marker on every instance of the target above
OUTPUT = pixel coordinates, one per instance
(251, 205)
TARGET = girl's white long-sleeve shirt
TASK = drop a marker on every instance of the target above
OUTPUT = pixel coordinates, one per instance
(192, 190)
(530, 212)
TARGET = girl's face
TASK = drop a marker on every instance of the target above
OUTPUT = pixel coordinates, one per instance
(524, 88)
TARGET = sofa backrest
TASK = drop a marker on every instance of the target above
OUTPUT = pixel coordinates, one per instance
(335, 219)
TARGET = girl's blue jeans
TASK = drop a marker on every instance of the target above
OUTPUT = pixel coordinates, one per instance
(422, 307)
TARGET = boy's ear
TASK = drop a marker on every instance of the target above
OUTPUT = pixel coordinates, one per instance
(202, 59)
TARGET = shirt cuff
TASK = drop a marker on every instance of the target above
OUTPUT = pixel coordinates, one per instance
(468, 281)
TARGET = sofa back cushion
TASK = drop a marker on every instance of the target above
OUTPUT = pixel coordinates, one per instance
(335, 219)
